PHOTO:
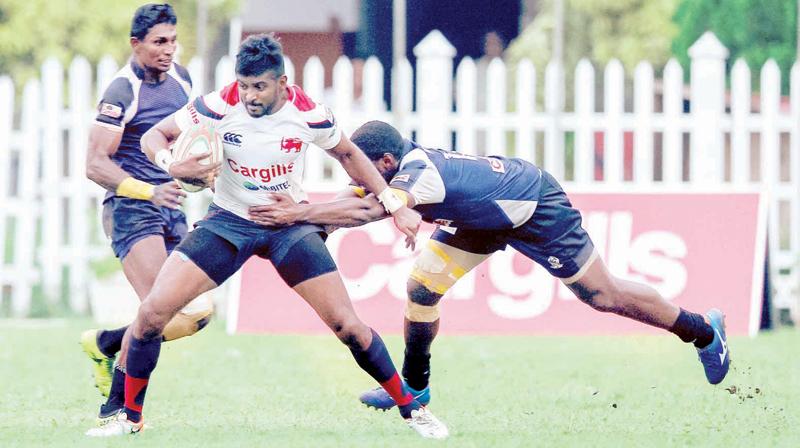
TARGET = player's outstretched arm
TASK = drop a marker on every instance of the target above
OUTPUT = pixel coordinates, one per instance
(348, 212)
(359, 168)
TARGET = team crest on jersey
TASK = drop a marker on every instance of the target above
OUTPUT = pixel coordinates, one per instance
(497, 165)
(291, 143)
(110, 110)
(401, 178)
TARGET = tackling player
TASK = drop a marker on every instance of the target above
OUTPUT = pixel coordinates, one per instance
(140, 212)
(491, 202)
(267, 126)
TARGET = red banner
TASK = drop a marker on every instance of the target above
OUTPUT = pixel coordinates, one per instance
(698, 250)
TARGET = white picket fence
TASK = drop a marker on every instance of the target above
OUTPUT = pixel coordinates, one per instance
(50, 211)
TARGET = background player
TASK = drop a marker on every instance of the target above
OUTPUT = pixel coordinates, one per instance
(274, 124)
(140, 209)
(492, 202)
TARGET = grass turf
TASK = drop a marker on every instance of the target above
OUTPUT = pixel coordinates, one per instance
(249, 390)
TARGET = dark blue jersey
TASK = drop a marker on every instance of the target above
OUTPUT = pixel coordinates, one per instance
(132, 106)
(469, 192)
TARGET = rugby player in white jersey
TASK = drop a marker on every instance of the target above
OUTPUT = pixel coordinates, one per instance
(267, 126)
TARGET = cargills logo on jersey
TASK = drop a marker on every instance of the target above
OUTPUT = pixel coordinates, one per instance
(265, 174)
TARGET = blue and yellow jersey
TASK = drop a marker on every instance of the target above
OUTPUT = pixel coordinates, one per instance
(469, 192)
(132, 106)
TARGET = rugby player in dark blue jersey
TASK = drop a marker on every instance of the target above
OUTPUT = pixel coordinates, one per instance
(492, 202)
(140, 212)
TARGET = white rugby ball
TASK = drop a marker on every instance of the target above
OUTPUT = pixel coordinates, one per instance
(198, 139)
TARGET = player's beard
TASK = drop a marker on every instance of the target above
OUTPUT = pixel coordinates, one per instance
(257, 111)
(389, 174)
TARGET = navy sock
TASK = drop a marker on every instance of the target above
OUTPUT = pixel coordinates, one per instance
(110, 341)
(691, 327)
(375, 360)
(142, 360)
(116, 397)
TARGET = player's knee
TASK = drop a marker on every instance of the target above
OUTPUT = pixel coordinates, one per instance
(353, 333)
(184, 324)
(421, 295)
(422, 304)
(151, 320)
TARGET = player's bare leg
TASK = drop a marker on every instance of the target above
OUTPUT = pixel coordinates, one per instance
(328, 297)
(435, 271)
(177, 284)
(141, 266)
(606, 293)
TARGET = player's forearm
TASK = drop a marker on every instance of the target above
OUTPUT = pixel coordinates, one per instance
(153, 141)
(101, 170)
(350, 212)
(361, 170)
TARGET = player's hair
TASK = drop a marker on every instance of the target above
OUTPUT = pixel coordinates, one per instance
(150, 15)
(376, 138)
(260, 53)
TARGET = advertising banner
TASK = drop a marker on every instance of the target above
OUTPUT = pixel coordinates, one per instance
(698, 250)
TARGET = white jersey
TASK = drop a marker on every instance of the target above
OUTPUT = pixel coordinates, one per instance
(265, 154)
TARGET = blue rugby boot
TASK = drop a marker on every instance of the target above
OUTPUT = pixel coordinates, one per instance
(378, 398)
(715, 357)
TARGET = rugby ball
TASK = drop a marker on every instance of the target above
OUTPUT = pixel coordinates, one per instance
(198, 139)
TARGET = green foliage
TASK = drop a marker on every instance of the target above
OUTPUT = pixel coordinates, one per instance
(215, 390)
(629, 30)
(33, 30)
(755, 30)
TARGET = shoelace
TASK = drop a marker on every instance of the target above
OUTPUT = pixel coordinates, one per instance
(424, 418)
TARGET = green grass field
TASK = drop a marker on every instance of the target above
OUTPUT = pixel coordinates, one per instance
(279, 391)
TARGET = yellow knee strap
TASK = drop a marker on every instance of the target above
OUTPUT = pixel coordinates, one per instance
(421, 313)
(435, 269)
(183, 325)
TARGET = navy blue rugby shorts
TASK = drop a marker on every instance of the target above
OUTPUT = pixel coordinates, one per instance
(223, 241)
(127, 221)
(553, 237)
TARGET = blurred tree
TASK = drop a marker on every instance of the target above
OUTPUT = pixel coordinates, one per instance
(755, 30)
(629, 30)
(33, 30)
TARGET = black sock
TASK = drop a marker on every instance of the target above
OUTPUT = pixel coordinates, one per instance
(110, 341)
(417, 369)
(116, 397)
(691, 327)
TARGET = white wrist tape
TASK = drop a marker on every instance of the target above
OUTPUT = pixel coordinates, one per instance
(164, 159)
(391, 202)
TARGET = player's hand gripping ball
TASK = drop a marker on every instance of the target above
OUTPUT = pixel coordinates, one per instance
(197, 140)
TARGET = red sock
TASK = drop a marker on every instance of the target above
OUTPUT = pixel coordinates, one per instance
(395, 389)
(134, 397)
